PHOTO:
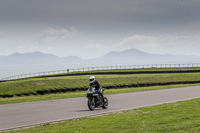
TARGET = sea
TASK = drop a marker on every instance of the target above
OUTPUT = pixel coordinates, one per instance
(13, 70)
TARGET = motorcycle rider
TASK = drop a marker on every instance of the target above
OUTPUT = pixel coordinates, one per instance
(94, 83)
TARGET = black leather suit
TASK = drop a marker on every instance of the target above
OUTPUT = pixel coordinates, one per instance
(98, 87)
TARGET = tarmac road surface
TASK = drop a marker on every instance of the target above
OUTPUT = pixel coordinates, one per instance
(20, 115)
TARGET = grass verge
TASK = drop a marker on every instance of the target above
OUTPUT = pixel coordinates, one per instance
(176, 117)
(34, 98)
(34, 84)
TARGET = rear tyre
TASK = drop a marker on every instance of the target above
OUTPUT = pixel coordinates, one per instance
(91, 104)
(105, 104)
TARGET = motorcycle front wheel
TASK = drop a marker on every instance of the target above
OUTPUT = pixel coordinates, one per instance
(91, 104)
(105, 104)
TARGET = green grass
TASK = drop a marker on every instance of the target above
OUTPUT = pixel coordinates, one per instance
(34, 84)
(33, 98)
(176, 117)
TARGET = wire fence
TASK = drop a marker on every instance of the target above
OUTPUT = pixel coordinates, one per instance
(21, 76)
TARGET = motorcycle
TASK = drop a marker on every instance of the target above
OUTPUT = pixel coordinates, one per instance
(95, 100)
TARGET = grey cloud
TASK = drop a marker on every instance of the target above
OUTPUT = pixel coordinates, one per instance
(1, 34)
(52, 35)
(102, 12)
(101, 23)
(161, 42)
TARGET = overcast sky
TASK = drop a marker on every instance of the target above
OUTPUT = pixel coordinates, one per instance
(91, 28)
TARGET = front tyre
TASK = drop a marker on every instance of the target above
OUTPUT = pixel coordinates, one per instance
(91, 104)
(105, 104)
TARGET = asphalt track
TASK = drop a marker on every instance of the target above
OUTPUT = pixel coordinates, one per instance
(20, 115)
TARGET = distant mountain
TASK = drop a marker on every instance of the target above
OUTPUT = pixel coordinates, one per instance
(1, 57)
(36, 58)
(130, 56)
(137, 56)
(71, 59)
(126, 55)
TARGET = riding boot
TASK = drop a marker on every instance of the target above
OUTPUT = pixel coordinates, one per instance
(103, 98)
